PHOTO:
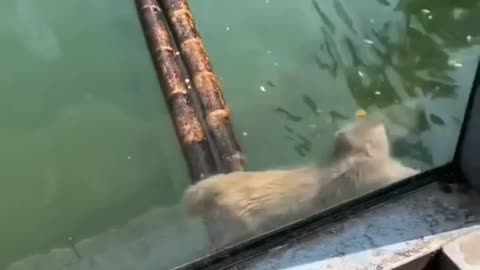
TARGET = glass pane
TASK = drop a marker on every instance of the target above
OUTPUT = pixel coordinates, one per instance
(92, 174)
(297, 74)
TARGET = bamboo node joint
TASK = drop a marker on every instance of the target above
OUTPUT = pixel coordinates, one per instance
(218, 117)
(237, 156)
(179, 12)
(163, 48)
(152, 8)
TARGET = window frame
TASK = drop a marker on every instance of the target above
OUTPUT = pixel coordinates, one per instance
(246, 250)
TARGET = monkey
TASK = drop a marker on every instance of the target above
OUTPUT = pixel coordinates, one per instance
(241, 205)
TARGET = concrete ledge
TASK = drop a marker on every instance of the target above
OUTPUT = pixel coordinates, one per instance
(382, 238)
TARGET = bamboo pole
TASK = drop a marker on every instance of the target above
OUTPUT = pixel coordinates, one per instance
(205, 83)
(172, 76)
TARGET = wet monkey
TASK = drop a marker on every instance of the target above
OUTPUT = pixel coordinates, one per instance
(240, 205)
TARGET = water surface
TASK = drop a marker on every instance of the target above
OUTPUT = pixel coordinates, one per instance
(91, 170)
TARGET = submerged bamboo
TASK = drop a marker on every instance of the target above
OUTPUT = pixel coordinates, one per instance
(174, 81)
(205, 83)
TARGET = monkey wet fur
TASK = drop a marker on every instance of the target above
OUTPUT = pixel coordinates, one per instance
(240, 205)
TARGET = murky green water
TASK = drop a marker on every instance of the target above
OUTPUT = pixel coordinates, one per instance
(87, 147)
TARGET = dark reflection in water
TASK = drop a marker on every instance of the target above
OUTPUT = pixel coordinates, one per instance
(288, 115)
(343, 15)
(435, 119)
(452, 21)
(408, 58)
(311, 104)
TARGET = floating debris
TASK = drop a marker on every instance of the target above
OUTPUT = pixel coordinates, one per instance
(129, 157)
(378, 93)
(372, 21)
(360, 74)
(430, 17)
(454, 63)
(368, 41)
(245, 134)
(262, 88)
(425, 11)
(228, 28)
(187, 80)
(361, 113)
(177, 53)
(469, 38)
(267, 1)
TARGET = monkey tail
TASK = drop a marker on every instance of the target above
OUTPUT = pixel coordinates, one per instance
(197, 198)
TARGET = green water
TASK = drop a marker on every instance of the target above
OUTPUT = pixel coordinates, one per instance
(87, 144)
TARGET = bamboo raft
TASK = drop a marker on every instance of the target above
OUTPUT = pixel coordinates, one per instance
(204, 130)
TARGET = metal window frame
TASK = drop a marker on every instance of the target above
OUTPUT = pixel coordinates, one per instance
(452, 171)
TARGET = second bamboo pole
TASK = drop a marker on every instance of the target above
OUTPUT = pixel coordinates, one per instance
(192, 136)
(205, 83)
